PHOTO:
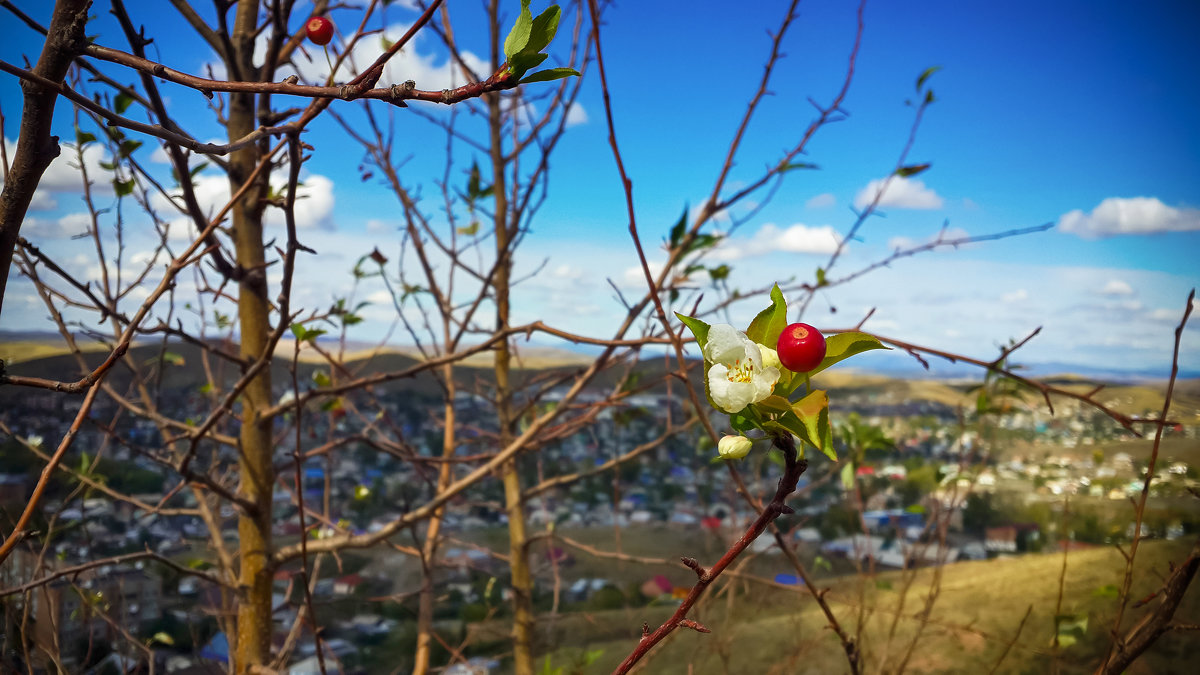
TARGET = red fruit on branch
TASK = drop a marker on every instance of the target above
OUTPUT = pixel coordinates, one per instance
(319, 30)
(801, 347)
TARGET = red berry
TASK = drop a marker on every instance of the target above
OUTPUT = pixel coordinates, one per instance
(319, 29)
(801, 347)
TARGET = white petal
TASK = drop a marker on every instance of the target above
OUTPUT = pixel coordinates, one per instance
(718, 384)
(725, 344)
(752, 352)
(764, 383)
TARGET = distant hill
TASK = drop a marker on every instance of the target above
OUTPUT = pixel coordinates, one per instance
(45, 355)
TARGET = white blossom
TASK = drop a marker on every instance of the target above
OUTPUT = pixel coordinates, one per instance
(737, 376)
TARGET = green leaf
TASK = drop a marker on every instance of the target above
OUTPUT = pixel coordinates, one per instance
(127, 147)
(767, 326)
(982, 402)
(549, 74)
(848, 476)
(524, 62)
(883, 584)
(808, 419)
(814, 411)
(469, 230)
(386, 43)
(123, 187)
(162, 637)
(320, 379)
(821, 281)
(108, 166)
(925, 75)
(912, 170)
(702, 241)
(306, 334)
(791, 166)
(518, 37)
(122, 103)
(679, 228)
(821, 563)
(775, 405)
(1070, 627)
(543, 29)
(842, 346)
(741, 422)
(473, 181)
(1106, 591)
(82, 138)
(719, 272)
(699, 329)
(915, 508)
(173, 358)
(206, 388)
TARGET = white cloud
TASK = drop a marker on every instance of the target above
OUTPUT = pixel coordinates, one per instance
(797, 238)
(947, 234)
(576, 115)
(1013, 297)
(1134, 215)
(821, 201)
(1116, 287)
(314, 202)
(569, 273)
(900, 193)
(43, 201)
(65, 227)
(802, 239)
(376, 226)
(63, 173)
(636, 278)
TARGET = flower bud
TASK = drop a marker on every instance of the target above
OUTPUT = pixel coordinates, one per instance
(770, 357)
(733, 447)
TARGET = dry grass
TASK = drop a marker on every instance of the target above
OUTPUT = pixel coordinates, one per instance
(976, 614)
(20, 351)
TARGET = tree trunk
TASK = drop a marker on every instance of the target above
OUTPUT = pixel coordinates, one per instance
(256, 477)
(522, 581)
(36, 148)
(429, 550)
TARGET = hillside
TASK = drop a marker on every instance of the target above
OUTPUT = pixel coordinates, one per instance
(976, 614)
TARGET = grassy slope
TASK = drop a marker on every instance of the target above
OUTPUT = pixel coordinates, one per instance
(975, 616)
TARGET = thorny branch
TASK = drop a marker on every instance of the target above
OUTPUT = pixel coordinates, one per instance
(1124, 649)
(793, 468)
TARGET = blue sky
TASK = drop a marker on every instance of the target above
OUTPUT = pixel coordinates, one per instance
(1073, 113)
